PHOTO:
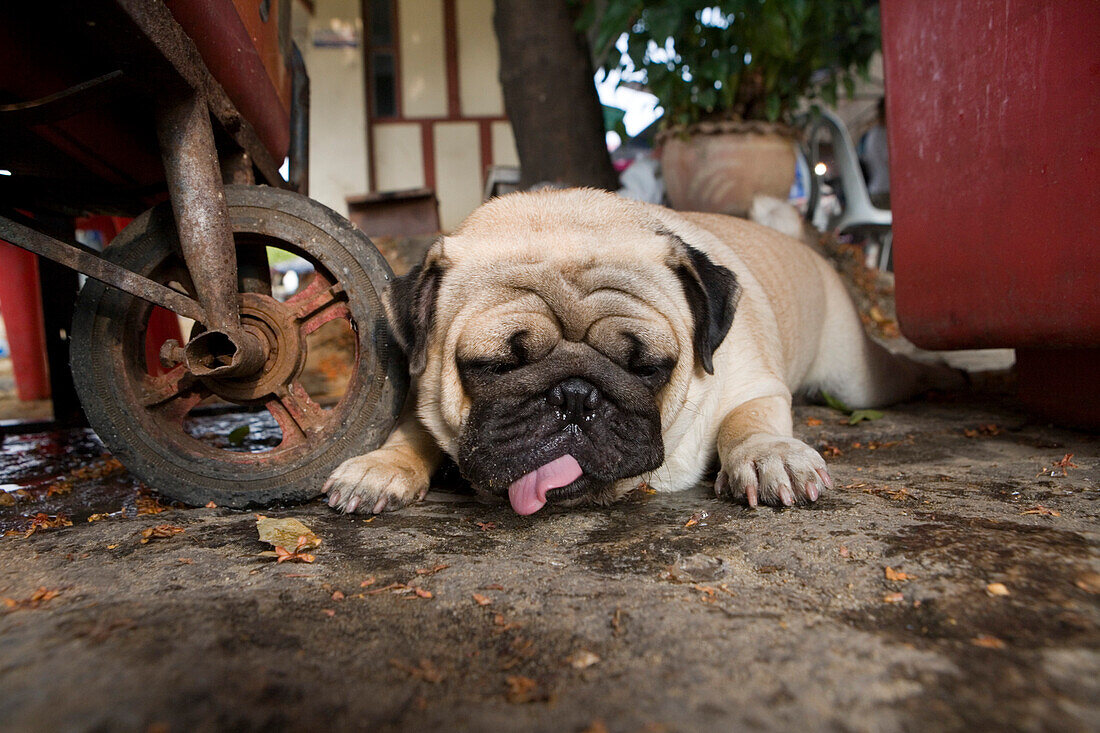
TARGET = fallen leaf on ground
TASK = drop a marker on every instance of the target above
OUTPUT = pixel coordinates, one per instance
(503, 625)
(330, 612)
(1061, 466)
(582, 659)
(522, 690)
(696, 518)
(1042, 510)
(149, 505)
(391, 588)
(369, 581)
(432, 570)
(997, 589)
(893, 598)
(481, 600)
(160, 532)
(296, 555)
(844, 551)
(287, 532)
(7, 498)
(813, 422)
(185, 561)
(828, 450)
(338, 595)
(486, 525)
(425, 671)
(422, 593)
(897, 575)
(859, 416)
(35, 600)
(989, 642)
(211, 505)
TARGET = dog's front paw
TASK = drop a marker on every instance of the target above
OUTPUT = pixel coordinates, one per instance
(773, 470)
(382, 480)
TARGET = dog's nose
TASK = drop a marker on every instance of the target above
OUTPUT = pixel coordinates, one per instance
(576, 397)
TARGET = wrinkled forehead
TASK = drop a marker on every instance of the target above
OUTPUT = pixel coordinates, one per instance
(576, 273)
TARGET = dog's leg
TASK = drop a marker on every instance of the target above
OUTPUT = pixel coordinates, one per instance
(762, 462)
(860, 372)
(391, 477)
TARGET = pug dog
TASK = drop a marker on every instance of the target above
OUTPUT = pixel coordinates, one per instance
(566, 346)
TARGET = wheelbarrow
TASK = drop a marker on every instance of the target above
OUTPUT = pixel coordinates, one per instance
(133, 82)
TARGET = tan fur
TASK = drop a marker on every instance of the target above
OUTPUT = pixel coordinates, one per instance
(581, 265)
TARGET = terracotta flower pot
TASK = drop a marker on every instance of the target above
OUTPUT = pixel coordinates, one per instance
(720, 167)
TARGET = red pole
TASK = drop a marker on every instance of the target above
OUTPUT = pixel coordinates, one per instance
(21, 308)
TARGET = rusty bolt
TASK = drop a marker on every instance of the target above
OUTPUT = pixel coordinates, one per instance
(171, 353)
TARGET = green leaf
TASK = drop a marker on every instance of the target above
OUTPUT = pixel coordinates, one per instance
(861, 415)
(238, 434)
(834, 403)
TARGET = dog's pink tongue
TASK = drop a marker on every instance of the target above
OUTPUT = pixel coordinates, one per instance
(528, 494)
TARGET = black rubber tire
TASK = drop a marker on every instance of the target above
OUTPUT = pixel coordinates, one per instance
(103, 359)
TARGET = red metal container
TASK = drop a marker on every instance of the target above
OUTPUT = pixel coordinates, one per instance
(993, 112)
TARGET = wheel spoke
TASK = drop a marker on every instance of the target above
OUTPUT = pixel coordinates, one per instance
(318, 303)
(173, 394)
(299, 417)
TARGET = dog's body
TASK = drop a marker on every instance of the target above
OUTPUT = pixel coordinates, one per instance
(568, 345)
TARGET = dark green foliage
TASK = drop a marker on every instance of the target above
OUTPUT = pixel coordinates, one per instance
(753, 59)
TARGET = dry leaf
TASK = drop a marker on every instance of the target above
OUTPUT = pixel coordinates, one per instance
(1042, 510)
(211, 505)
(338, 595)
(997, 589)
(432, 570)
(844, 551)
(36, 599)
(1059, 468)
(7, 498)
(893, 598)
(98, 517)
(989, 642)
(368, 582)
(522, 690)
(185, 561)
(330, 612)
(486, 525)
(813, 422)
(296, 555)
(481, 600)
(149, 505)
(421, 593)
(582, 659)
(287, 532)
(897, 575)
(696, 518)
(160, 532)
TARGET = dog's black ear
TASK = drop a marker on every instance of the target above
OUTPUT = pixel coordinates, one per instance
(410, 309)
(712, 293)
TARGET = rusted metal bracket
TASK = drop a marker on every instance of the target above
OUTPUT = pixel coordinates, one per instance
(100, 269)
(194, 180)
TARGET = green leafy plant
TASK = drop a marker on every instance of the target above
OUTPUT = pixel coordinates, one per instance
(854, 416)
(737, 59)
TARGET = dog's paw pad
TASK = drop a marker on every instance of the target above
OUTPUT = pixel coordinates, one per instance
(376, 482)
(768, 469)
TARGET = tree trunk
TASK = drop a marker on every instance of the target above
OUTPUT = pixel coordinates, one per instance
(550, 96)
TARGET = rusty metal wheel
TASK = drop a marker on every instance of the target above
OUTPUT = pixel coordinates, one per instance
(154, 415)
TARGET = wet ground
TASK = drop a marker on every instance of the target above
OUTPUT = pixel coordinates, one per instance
(951, 581)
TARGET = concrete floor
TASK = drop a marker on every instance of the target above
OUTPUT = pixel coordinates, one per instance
(629, 618)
